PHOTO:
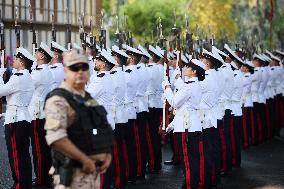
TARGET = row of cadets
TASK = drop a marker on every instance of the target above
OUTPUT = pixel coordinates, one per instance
(120, 158)
(42, 79)
(154, 121)
(19, 91)
(186, 124)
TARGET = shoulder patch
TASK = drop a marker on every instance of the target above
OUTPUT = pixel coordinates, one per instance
(128, 71)
(18, 74)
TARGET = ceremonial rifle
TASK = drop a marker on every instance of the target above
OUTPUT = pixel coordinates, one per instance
(211, 38)
(166, 105)
(34, 44)
(102, 37)
(2, 43)
(2, 51)
(68, 32)
(17, 29)
(82, 31)
(92, 39)
(119, 36)
(53, 28)
(176, 32)
(188, 37)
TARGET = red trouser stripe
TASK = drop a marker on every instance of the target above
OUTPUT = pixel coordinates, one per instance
(138, 149)
(245, 134)
(233, 141)
(150, 148)
(15, 156)
(252, 126)
(186, 160)
(102, 181)
(38, 153)
(223, 149)
(201, 166)
(125, 157)
(117, 165)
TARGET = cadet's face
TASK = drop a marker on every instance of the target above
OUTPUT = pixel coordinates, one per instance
(17, 63)
(244, 69)
(75, 78)
(256, 63)
(99, 65)
(188, 71)
(206, 62)
(55, 57)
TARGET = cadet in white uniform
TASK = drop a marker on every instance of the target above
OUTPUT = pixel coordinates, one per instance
(152, 130)
(186, 103)
(132, 137)
(42, 80)
(247, 120)
(142, 109)
(56, 65)
(209, 101)
(18, 91)
(120, 118)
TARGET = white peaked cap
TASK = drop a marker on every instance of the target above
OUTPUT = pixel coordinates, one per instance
(23, 53)
(106, 57)
(43, 48)
(116, 49)
(215, 49)
(154, 50)
(233, 53)
(144, 51)
(198, 63)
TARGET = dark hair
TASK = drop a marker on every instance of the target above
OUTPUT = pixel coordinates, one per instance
(199, 71)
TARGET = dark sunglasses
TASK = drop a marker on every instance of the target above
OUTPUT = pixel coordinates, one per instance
(78, 67)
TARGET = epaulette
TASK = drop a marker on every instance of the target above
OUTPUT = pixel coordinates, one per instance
(246, 76)
(128, 71)
(138, 67)
(189, 82)
(150, 65)
(101, 75)
(18, 74)
(113, 72)
(38, 69)
(53, 67)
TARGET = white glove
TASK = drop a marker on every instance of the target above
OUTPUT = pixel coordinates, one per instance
(170, 128)
(2, 70)
(165, 83)
(176, 72)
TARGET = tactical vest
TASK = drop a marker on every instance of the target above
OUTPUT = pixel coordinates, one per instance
(90, 132)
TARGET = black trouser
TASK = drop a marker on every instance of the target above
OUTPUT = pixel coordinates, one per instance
(259, 120)
(227, 122)
(18, 142)
(118, 156)
(277, 114)
(208, 157)
(142, 119)
(106, 179)
(174, 147)
(41, 153)
(236, 139)
(154, 139)
(131, 149)
(216, 147)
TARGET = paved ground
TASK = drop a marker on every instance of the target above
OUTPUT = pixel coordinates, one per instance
(262, 165)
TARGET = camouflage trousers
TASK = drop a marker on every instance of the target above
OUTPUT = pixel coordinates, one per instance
(79, 180)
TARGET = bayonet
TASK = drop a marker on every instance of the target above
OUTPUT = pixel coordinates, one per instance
(2, 42)
(53, 28)
(17, 28)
